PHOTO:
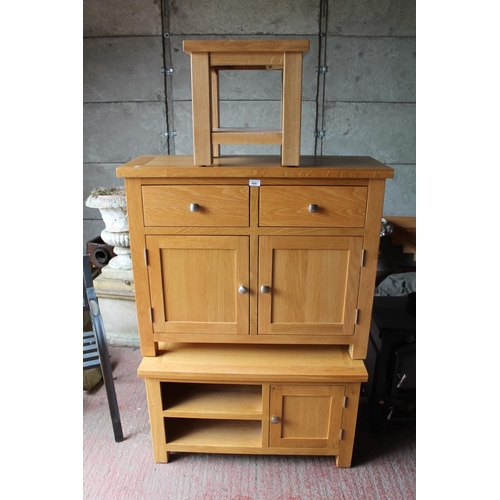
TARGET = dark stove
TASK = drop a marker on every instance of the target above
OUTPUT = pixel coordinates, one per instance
(391, 361)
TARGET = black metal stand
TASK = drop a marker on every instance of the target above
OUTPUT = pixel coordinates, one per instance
(95, 347)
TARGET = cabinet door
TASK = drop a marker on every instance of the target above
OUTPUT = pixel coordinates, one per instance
(195, 284)
(306, 416)
(308, 285)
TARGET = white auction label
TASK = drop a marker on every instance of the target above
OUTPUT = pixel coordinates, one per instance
(253, 182)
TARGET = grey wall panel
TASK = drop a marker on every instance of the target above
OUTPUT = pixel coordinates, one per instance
(401, 192)
(96, 176)
(183, 141)
(253, 114)
(237, 17)
(368, 17)
(117, 132)
(121, 17)
(258, 85)
(250, 85)
(308, 125)
(181, 78)
(123, 69)
(385, 131)
(371, 69)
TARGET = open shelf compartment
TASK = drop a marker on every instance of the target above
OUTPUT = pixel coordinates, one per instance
(212, 401)
(197, 434)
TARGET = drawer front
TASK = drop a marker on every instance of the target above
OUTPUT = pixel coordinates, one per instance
(196, 205)
(313, 206)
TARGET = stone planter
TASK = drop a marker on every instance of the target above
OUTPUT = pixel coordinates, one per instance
(112, 204)
(115, 285)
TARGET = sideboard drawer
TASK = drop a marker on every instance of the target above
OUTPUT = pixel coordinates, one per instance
(196, 205)
(313, 206)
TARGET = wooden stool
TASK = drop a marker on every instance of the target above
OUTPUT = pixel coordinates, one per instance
(208, 57)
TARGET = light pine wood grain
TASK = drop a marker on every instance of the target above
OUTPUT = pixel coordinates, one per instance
(255, 167)
(208, 57)
(246, 136)
(309, 416)
(218, 205)
(291, 109)
(313, 285)
(195, 413)
(230, 363)
(338, 206)
(278, 208)
(192, 46)
(194, 284)
(216, 401)
(201, 108)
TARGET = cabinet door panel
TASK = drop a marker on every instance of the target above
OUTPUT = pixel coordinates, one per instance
(306, 416)
(194, 284)
(313, 284)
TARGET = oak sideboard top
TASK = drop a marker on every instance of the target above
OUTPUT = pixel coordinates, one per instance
(256, 166)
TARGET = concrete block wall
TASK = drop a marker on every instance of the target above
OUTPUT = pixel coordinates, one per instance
(364, 102)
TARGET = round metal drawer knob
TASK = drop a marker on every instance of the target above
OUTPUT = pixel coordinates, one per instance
(194, 207)
(313, 208)
(265, 289)
(242, 289)
(275, 420)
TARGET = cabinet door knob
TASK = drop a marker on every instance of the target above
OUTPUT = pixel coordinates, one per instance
(264, 289)
(313, 208)
(194, 207)
(242, 289)
(275, 420)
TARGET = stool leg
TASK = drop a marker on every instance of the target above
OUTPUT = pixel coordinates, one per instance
(200, 82)
(292, 109)
(214, 87)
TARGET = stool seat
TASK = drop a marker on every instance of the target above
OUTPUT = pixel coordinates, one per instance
(208, 57)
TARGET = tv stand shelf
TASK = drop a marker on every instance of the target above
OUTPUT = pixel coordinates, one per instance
(212, 401)
(275, 400)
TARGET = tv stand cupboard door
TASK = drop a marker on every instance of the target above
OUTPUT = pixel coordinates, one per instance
(199, 284)
(306, 416)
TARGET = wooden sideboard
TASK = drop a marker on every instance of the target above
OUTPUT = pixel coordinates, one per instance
(254, 287)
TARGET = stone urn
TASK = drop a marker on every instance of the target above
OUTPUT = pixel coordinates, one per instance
(112, 204)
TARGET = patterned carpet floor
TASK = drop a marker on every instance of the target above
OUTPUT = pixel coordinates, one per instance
(384, 467)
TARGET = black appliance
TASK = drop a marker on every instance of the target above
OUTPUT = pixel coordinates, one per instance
(391, 361)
